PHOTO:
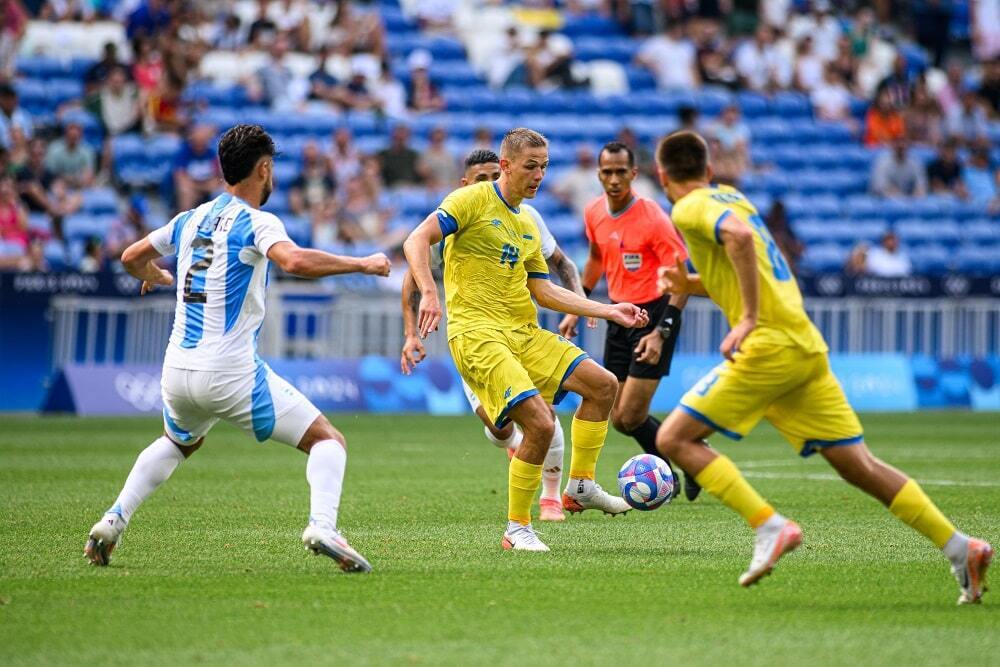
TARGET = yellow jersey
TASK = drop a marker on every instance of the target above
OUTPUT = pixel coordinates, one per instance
(781, 318)
(490, 249)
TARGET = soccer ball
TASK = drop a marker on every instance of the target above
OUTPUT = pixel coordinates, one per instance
(645, 482)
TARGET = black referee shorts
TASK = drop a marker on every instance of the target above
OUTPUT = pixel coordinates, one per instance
(619, 346)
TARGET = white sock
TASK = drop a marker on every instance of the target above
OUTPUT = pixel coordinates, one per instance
(152, 467)
(957, 547)
(772, 525)
(325, 473)
(553, 463)
(511, 442)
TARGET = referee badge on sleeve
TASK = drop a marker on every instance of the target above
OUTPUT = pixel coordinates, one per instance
(632, 260)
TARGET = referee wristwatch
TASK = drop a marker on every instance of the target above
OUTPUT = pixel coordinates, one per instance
(671, 322)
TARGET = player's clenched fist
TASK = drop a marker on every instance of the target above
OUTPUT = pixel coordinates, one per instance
(628, 315)
(429, 314)
(377, 265)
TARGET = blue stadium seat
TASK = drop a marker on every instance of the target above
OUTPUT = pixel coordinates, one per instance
(639, 78)
(591, 24)
(100, 201)
(621, 49)
(83, 225)
(825, 257)
(40, 223)
(915, 231)
(869, 230)
(753, 105)
(979, 259)
(298, 228)
(711, 101)
(55, 254)
(981, 231)
(933, 259)
(790, 105)
(442, 48)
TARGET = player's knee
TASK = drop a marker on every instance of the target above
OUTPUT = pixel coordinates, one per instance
(604, 388)
(188, 450)
(668, 441)
(539, 427)
(502, 433)
(626, 421)
(318, 431)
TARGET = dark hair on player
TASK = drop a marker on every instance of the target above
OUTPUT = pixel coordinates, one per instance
(481, 156)
(683, 156)
(617, 147)
(239, 150)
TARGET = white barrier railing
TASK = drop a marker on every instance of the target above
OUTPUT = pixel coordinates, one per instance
(306, 322)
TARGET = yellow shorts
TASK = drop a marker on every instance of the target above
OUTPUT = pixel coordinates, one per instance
(504, 368)
(793, 389)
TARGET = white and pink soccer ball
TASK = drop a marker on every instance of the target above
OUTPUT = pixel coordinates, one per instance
(645, 482)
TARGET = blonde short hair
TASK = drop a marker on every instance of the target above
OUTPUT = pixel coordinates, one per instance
(518, 139)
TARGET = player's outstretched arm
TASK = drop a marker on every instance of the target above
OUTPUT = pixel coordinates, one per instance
(562, 300)
(311, 263)
(138, 259)
(737, 240)
(413, 349)
(417, 249)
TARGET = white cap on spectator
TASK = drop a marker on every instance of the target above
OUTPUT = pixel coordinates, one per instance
(420, 59)
(366, 65)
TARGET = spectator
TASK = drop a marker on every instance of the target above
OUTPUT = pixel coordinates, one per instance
(148, 68)
(883, 123)
(989, 87)
(732, 153)
(808, 67)
(688, 119)
(923, 119)
(931, 20)
(845, 64)
(389, 94)
(672, 58)
(399, 161)
(358, 32)
(944, 173)
(898, 85)
(262, 30)
(777, 223)
(949, 95)
(345, 160)
(760, 65)
(775, 13)
(549, 63)
(482, 138)
(985, 29)
(506, 64)
(643, 156)
(980, 176)
(274, 80)
(436, 15)
(968, 122)
(93, 256)
(888, 260)
(831, 99)
(857, 261)
(821, 26)
(230, 35)
(714, 68)
(312, 191)
(437, 166)
(97, 73)
(579, 186)
(196, 169)
(128, 228)
(13, 216)
(14, 25)
(290, 18)
(12, 116)
(422, 96)
(117, 104)
(40, 189)
(897, 172)
(149, 19)
(164, 111)
(71, 159)
(363, 221)
(358, 91)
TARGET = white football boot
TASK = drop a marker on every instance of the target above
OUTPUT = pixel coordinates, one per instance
(769, 546)
(521, 538)
(971, 573)
(322, 539)
(104, 538)
(586, 494)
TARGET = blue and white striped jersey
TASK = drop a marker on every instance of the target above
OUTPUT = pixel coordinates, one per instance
(221, 249)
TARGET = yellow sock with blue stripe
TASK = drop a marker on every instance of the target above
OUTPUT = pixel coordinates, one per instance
(523, 480)
(588, 439)
(912, 506)
(723, 480)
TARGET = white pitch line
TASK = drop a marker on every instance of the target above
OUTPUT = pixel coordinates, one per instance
(826, 477)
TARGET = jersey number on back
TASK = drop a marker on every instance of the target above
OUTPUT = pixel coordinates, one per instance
(201, 266)
(780, 266)
(509, 254)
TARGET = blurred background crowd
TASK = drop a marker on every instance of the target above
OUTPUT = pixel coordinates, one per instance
(868, 133)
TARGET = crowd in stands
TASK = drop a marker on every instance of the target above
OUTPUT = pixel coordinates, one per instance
(376, 103)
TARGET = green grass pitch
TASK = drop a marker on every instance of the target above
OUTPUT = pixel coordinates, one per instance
(212, 571)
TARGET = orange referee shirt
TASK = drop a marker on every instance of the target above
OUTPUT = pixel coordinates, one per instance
(633, 244)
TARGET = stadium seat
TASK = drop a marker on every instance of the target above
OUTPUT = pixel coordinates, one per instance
(81, 226)
(932, 259)
(100, 201)
(825, 257)
(979, 259)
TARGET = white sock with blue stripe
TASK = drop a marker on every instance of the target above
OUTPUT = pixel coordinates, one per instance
(553, 463)
(325, 473)
(153, 467)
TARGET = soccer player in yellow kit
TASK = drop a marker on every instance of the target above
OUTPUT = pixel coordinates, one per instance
(493, 266)
(776, 368)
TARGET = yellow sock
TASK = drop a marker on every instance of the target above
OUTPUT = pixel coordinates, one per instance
(723, 480)
(523, 480)
(912, 506)
(588, 439)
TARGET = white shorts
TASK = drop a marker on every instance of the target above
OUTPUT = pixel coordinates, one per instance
(262, 404)
(470, 396)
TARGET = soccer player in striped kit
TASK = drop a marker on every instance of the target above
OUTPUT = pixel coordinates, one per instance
(211, 370)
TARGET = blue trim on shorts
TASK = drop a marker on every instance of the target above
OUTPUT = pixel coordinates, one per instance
(539, 275)
(708, 422)
(448, 224)
(184, 436)
(560, 392)
(261, 406)
(810, 447)
(503, 419)
(718, 221)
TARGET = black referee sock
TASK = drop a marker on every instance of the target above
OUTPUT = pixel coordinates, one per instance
(645, 435)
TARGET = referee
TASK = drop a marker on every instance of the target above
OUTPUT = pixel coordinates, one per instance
(630, 238)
